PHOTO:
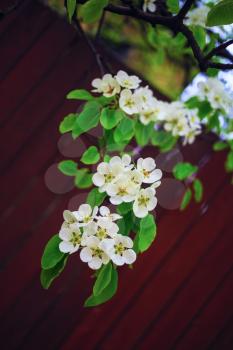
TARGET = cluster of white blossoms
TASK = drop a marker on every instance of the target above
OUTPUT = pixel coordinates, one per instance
(149, 5)
(123, 182)
(197, 16)
(140, 101)
(95, 234)
(214, 91)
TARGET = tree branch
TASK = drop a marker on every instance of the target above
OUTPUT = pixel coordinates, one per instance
(217, 50)
(185, 9)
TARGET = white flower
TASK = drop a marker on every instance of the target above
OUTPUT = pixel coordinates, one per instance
(107, 85)
(93, 254)
(144, 202)
(144, 98)
(69, 217)
(106, 214)
(85, 214)
(127, 102)
(197, 16)
(127, 81)
(149, 5)
(71, 239)
(124, 190)
(147, 168)
(119, 250)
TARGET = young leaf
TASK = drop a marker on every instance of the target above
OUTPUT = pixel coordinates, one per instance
(67, 123)
(88, 118)
(92, 10)
(186, 199)
(68, 167)
(147, 232)
(95, 197)
(106, 294)
(200, 36)
(173, 5)
(221, 14)
(79, 94)
(182, 171)
(52, 254)
(143, 133)
(91, 155)
(163, 139)
(198, 190)
(124, 131)
(71, 6)
(219, 146)
(229, 162)
(124, 208)
(103, 279)
(83, 179)
(47, 276)
(109, 118)
(125, 224)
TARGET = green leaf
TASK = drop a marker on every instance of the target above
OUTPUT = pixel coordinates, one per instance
(186, 199)
(124, 208)
(106, 294)
(103, 279)
(147, 232)
(200, 35)
(198, 190)
(83, 179)
(88, 118)
(182, 171)
(143, 133)
(68, 167)
(204, 109)
(52, 254)
(92, 10)
(79, 94)
(67, 123)
(109, 118)
(219, 146)
(71, 6)
(47, 276)
(124, 130)
(221, 14)
(111, 144)
(229, 162)
(126, 223)
(163, 139)
(95, 197)
(173, 5)
(91, 155)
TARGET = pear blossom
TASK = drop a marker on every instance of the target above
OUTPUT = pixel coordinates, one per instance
(149, 5)
(127, 102)
(85, 214)
(144, 97)
(71, 239)
(107, 85)
(127, 81)
(145, 201)
(197, 16)
(106, 214)
(147, 168)
(119, 249)
(93, 254)
(123, 190)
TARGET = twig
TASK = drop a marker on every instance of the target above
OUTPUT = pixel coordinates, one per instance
(185, 9)
(217, 50)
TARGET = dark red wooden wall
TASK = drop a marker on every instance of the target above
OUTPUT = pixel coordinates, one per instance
(179, 293)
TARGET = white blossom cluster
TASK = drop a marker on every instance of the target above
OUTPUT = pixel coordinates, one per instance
(149, 5)
(123, 181)
(95, 234)
(197, 16)
(136, 100)
(213, 90)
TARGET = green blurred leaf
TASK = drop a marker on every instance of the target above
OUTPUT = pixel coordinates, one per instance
(68, 167)
(83, 179)
(126, 223)
(173, 5)
(52, 254)
(88, 118)
(106, 294)
(147, 232)
(198, 190)
(109, 118)
(219, 146)
(79, 94)
(200, 35)
(182, 171)
(163, 139)
(71, 6)
(124, 208)
(103, 279)
(92, 10)
(186, 199)
(48, 276)
(95, 197)
(229, 162)
(90, 156)
(143, 133)
(124, 131)
(67, 123)
(221, 14)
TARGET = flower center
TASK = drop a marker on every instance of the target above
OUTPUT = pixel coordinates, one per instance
(119, 248)
(87, 219)
(101, 233)
(75, 239)
(146, 173)
(108, 177)
(122, 191)
(143, 201)
(97, 252)
(129, 103)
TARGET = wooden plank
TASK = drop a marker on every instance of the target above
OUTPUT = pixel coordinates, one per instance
(51, 91)
(90, 317)
(10, 17)
(32, 68)
(21, 36)
(167, 326)
(224, 340)
(211, 319)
